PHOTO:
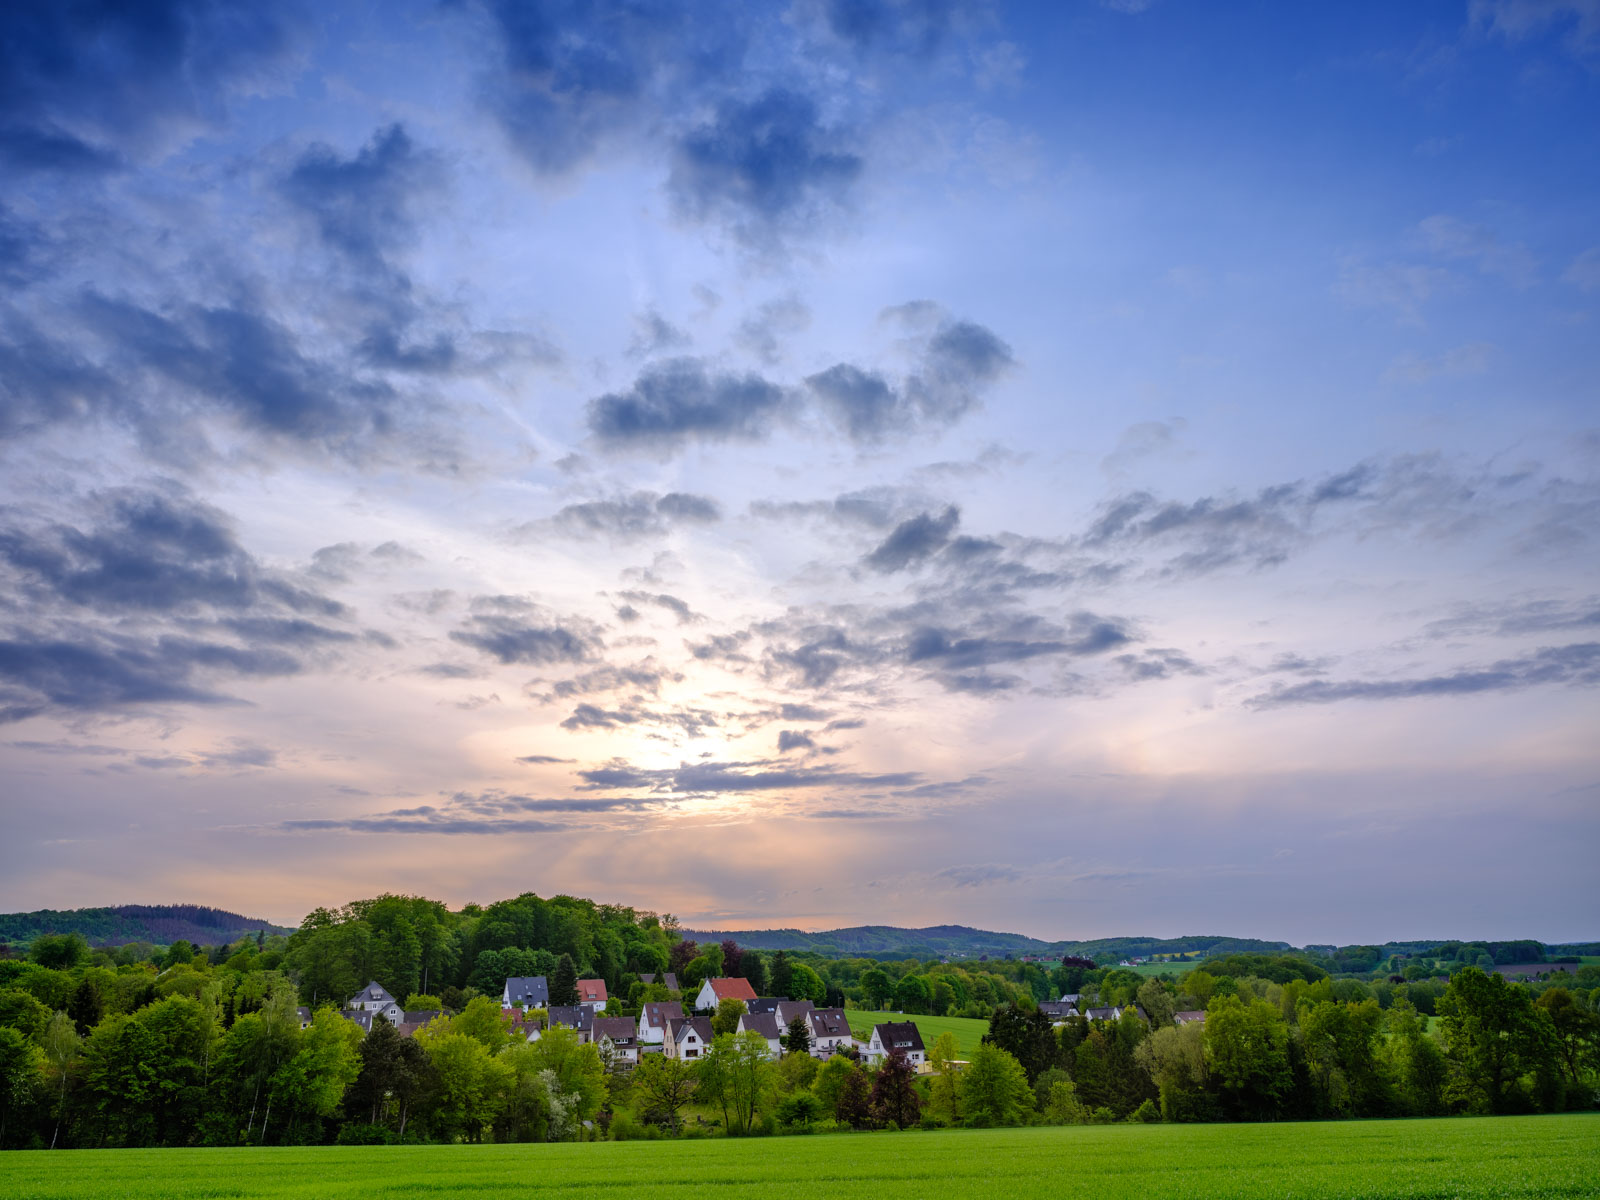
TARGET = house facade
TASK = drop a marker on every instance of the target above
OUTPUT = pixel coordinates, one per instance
(592, 994)
(575, 1017)
(688, 1037)
(618, 1038)
(713, 991)
(896, 1037)
(531, 991)
(765, 1024)
(374, 999)
(653, 1020)
(830, 1032)
(788, 1010)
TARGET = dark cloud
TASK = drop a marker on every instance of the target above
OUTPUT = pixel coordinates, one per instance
(44, 381)
(693, 722)
(539, 760)
(764, 164)
(915, 27)
(1015, 639)
(914, 540)
(1158, 663)
(794, 739)
(492, 812)
(636, 515)
(1577, 665)
(362, 206)
(861, 402)
(721, 647)
(678, 608)
(653, 333)
(961, 360)
(240, 754)
(84, 85)
(517, 631)
(643, 676)
(1524, 617)
(803, 712)
(681, 400)
(239, 360)
(575, 74)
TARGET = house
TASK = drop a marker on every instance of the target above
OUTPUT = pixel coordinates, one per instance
(575, 1017)
(359, 1017)
(1112, 1013)
(688, 1037)
(1071, 998)
(1191, 1016)
(417, 1019)
(896, 1037)
(766, 1024)
(1059, 1014)
(653, 1020)
(830, 1032)
(592, 994)
(763, 1004)
(669, 979)
(714, 991)
(531, 991)
(618, 1037)
(788, 1010)
(375, 999)
(521, 1023)
(305, 1016)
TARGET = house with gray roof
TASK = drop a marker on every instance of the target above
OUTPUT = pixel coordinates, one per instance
(375, 999)
(577, 1017)
(830, 1032)
(653, 1020)
(530, 991)
(618, 1037)
(896, 1037)
(766, 1024)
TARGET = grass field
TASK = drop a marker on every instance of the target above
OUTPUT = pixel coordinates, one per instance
(969, 1031)
(1492, 1157)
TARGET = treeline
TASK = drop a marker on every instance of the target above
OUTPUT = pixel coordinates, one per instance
(1298, 1049)
(119, 924)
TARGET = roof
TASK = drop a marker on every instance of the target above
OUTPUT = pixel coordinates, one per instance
(360, 1017)
(1071, 997)
(766, 1024)
(573, 1016)
(1103, 1014)
(591, 991)
(659, 1012)
(788, 1010)
(1062, 1009)
(829, 1022)
(421, 1016)
(374, 991)
(701, 1026)
(731, 987)
(762, 1004)
(670, 979)
(1190, 1016)
(621, 1030)
(530, 991)
(305, 1013)
(899, 1036)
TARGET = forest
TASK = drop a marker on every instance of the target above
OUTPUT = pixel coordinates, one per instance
(207, 1045)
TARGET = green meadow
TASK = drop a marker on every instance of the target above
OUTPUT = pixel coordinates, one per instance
(969, 1031)
(1548, 1156)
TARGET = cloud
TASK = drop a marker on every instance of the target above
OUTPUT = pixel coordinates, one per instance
(539, 760)
(762, 332)
(636, 515)
(1087, 634)
(914, 540)
(795, 739)
(88, 86)
(514, 630)
(1577, 665)
(980, 875)
(763, 165)
(1518, 20)
(679, 608)
(735, 777)
(653, 333)
(680, 400)
(914, 27)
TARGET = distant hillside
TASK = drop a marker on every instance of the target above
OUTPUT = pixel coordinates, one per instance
(962, 941)
(162, 924)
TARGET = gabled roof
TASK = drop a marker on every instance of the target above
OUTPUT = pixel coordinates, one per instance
(829, 1022)
(669, 978)
(701, 1026)
(591, 991)
(530, 991)
(731, 987)
(1058, 1011)
(360, 1017)
(373, 993)
(573, 1016)
(788, 1010)
(420, 1016)
(899, 1036)
(659, 1012)
(621, 1030)
(766, 1024)
(1103, 1014)
(1190, 1016)
(762, 1004)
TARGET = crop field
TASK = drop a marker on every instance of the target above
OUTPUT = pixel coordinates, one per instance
(1554, 1156)
(969, 1031)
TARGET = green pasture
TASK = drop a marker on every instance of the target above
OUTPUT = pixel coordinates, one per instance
(969, 1031)
(1554, 1156)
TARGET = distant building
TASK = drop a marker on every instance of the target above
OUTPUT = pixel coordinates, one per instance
(830, 1032)
(766, 1024)
(592, 994)
(577, 1017)
(688, 1037)
(896, 1037)
(374, 999)
(619, 1037)
(653, 1020)
(724, 988)
(530, 991)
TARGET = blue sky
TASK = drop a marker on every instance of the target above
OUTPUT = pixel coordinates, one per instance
(1078, 469)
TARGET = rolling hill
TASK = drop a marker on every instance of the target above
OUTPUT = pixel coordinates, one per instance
(161, 924)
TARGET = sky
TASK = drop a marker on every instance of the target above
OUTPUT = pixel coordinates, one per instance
(1078, 469)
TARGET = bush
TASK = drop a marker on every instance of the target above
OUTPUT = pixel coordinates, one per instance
(799, 1111)
(1146, 1114)
(1102, 1116)
(625, 1127)
(367, 1135)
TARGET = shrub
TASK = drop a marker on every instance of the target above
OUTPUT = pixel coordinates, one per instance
(367, 1135)
(1146, 1114)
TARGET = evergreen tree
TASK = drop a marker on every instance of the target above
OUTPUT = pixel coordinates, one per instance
(564, 983)
(781, 977)
(798, 1039)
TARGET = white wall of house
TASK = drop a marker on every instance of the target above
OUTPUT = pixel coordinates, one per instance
(707, 999)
